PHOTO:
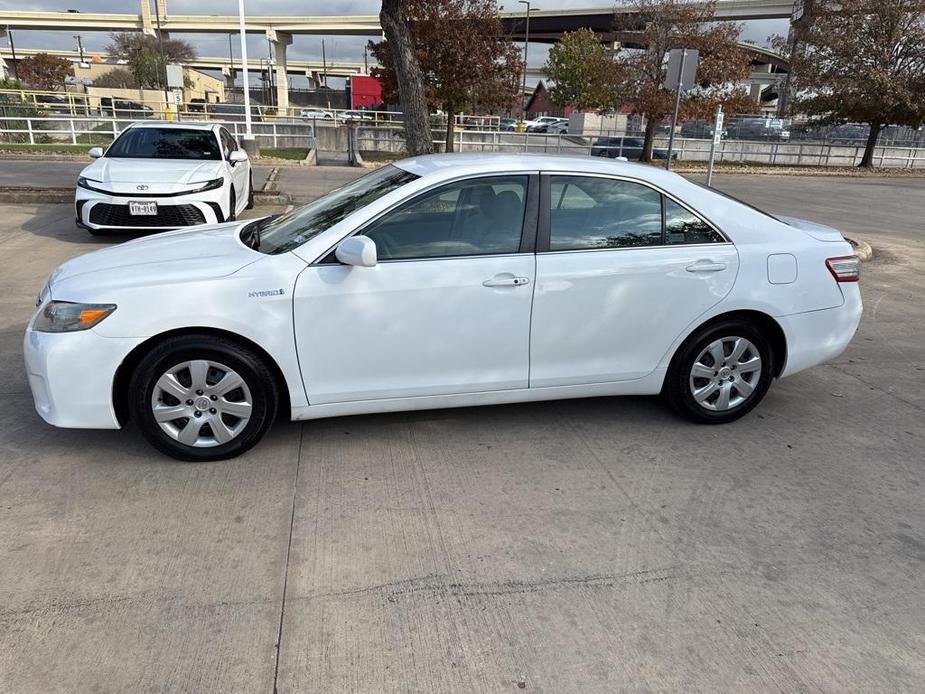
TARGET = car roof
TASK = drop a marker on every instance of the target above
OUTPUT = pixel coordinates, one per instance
(174, 124)
(440, 166)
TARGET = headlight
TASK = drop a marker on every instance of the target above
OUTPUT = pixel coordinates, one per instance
(66, 316)
(208, 185)
(88, 183)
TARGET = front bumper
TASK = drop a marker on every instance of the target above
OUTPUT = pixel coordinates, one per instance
(71, 376)
(174, 211)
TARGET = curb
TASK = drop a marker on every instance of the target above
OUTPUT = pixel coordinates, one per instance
(26, 195)
(862, 249)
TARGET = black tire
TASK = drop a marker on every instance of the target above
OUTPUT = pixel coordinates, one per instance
(679, 382)
(232, 204)
(250, 191)
(250, 366)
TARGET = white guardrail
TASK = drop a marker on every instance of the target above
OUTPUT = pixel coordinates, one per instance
(101, 131)
(92, 131)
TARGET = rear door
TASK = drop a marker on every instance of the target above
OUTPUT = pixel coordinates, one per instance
(621, 271)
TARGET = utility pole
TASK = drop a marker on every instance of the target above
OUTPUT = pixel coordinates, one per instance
(324, 65)
(9, 36)
(248, 131)
(80, 47)
(365, 58)
(523, 91)
(160, 48)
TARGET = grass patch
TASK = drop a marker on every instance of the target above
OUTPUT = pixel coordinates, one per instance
(292, 153)
(50, 148)
(384, 157)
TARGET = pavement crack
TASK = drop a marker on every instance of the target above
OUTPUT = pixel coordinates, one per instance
(877, 388)
(282, 606)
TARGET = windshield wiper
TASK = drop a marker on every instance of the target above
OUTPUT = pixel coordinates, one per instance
(250, 234)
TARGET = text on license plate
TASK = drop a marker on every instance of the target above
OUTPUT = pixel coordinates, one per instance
(142, 208)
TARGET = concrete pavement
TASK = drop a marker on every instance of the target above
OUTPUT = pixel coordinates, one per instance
(594, 545)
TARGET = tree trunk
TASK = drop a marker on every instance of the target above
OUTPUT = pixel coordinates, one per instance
(867, 161)
(648, 140)
(450, 129)
(408, 75)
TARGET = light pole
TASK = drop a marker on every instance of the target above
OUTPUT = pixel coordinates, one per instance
(248, 131)
(523, 90)
(9, 36)
(80, 46)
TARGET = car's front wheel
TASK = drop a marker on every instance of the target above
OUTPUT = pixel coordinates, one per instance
(232, 204)
(250, 190)
(720, 373)
(201, 398)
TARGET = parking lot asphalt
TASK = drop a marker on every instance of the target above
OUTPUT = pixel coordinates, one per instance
(594, 545)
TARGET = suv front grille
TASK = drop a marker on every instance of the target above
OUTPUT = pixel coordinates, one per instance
(167, 216)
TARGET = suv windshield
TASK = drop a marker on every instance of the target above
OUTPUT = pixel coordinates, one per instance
(166, 143)
(291, 230)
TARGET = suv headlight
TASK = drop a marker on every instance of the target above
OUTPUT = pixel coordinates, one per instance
(88, 183)
(67, 316)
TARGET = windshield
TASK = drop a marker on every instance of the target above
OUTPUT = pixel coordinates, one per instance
(166, 143)
(291, 230)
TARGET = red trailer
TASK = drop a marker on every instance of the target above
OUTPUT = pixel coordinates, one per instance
(365, 92)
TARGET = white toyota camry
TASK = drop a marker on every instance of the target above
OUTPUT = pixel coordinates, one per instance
(160, 176)
(442, 281)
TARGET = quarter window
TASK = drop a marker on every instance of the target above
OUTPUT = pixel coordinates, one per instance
(593, 213)
(482, 216)
(683, 226)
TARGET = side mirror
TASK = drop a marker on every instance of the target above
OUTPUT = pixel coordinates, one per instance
(96, 152)
(237, 156)
(357, 250)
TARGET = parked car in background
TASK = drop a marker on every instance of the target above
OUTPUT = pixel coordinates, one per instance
(507, 124)
(628, 147)
(443, 281)
(359, 116)
(700, 129)
(558, 128)
(315, 114)
(539, 125)
(232, 112)
(160, 176)
(766, 129)
(124, 108)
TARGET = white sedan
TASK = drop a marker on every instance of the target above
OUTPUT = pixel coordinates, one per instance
(442, 281)
(160, 176)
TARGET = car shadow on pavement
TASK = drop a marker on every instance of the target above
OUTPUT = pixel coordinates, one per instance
(57, 222)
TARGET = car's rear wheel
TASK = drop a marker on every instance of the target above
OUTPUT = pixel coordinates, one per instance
(202, 398)
(720, 373)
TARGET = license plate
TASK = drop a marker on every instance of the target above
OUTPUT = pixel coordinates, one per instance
(142, 208)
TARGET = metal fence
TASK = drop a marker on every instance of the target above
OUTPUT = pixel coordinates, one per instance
(102, 131)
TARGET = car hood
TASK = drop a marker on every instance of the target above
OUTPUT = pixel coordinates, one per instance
(125, 174)
(820, 232)
(201, 253)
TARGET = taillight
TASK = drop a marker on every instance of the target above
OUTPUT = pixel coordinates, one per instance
(846, 268)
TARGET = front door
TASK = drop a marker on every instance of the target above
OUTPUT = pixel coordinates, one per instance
(240, 171)
(446, 310)
(622, 270)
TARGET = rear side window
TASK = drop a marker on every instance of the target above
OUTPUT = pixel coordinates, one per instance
(593, 213)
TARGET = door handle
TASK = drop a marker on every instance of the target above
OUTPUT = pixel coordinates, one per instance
(500, 281)
(706, 266)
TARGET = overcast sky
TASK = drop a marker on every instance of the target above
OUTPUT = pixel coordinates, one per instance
(303, 47)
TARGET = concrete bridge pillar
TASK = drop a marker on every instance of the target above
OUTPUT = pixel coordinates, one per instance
(280, 40)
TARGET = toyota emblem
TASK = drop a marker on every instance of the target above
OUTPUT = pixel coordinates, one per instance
(141, 187)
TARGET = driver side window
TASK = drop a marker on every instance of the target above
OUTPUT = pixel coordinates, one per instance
(480, 216)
